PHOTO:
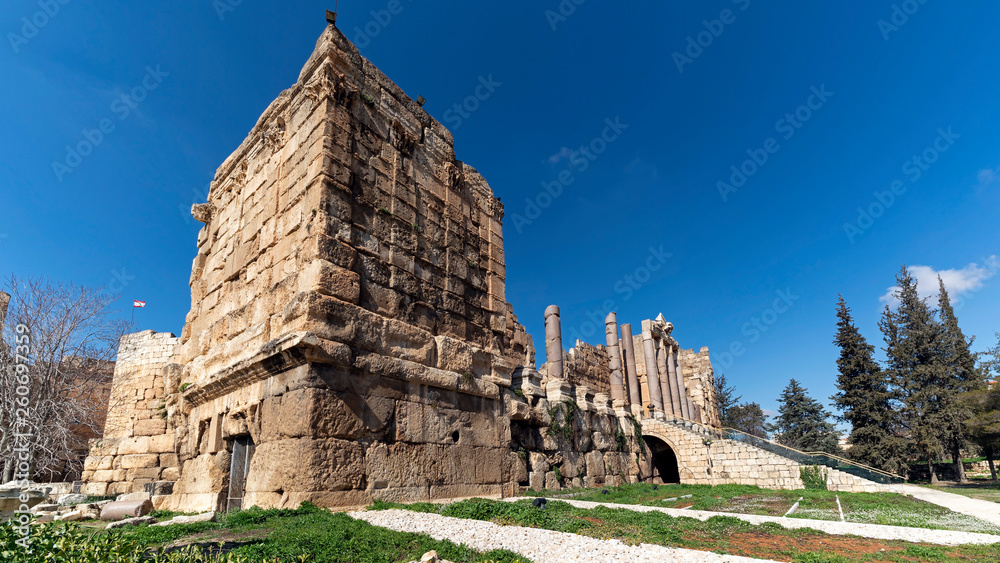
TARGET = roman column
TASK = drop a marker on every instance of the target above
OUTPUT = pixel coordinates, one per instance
(685, 407)
(553, 342)
(635, 396)
(652, 377)
(614, 360)
(676, 386)
(665, 390)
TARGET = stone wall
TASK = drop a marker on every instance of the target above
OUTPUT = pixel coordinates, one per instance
(700, 380)
(349, 323)
(137, 447)
(587, 365)
(566, 435)
(705, 459)
(348, 310)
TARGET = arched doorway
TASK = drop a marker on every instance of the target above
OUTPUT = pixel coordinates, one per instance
(664, 460)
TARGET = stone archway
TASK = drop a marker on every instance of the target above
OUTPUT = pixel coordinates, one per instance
(664, 458)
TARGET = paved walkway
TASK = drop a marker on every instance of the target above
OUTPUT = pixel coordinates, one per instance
(541, 546)
(875, 531)
(983, 509)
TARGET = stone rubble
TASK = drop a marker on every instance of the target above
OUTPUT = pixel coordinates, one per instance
(203, 517)
(130, 522)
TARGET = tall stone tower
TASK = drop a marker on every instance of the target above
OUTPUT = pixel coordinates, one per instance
(348, 317)
(349, 336)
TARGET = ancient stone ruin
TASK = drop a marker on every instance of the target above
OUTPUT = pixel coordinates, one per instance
(349, 337)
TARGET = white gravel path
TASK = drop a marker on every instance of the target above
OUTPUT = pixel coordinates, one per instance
(541, 546)
(875, 531)
(983, 509)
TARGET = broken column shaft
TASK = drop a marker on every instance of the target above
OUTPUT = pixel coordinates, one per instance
(669, 395)
(553, 342)
(614, 360)
(635, 397)
(685, 399)
(676, 386)
(652, 377)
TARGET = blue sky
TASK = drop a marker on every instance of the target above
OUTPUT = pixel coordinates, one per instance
(610, 132)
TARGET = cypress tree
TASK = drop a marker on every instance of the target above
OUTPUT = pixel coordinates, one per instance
(913, 362)
(803, 423)
(983, 403)
(749, 418)
(961, 376)
(865, 399)
(725, 401)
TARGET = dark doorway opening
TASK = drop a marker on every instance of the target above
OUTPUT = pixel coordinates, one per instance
(243, 448)
(664, 460)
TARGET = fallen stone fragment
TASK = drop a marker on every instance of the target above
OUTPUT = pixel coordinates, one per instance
(203, 517)
(46, 508)
(69, 516)
(126, 509)
(131, 522)
(72, 498)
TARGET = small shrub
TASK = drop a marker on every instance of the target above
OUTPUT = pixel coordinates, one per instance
(812, 477)
(622, 441)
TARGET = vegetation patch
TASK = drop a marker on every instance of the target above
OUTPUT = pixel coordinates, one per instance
(304, 534)
(867, 508)
(812, 477)
(720, 534)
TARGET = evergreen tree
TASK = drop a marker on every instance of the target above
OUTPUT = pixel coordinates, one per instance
(865, 399)
(983, 425)
(913, 362)
(961, 376)
(803, 423)
(749, 418)
(725, 401)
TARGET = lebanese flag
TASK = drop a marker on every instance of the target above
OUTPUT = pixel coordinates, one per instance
(138, 304)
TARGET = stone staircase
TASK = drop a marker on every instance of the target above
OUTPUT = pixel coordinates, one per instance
(715, 456)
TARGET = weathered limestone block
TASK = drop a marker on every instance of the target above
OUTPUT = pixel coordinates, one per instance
(326, 464)
(330, 279)
(163, 443)
(595, 464)
(151, 427)
(126, 509)
(539, 462)
(551, 482)
(313, 412)
(536, 480)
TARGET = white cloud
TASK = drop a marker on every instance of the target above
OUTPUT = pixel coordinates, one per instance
(564, 153)
(988, 177)
(641, 169)
(957, 282)
(769, 412)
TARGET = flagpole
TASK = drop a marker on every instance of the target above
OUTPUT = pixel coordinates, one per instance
(133, 313)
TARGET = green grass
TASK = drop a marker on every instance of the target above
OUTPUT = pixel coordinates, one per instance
(982, 489)
(720, 534)
(870, 508)
(307, 533)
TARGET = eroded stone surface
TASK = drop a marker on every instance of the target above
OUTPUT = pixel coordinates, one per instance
(349, 336)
